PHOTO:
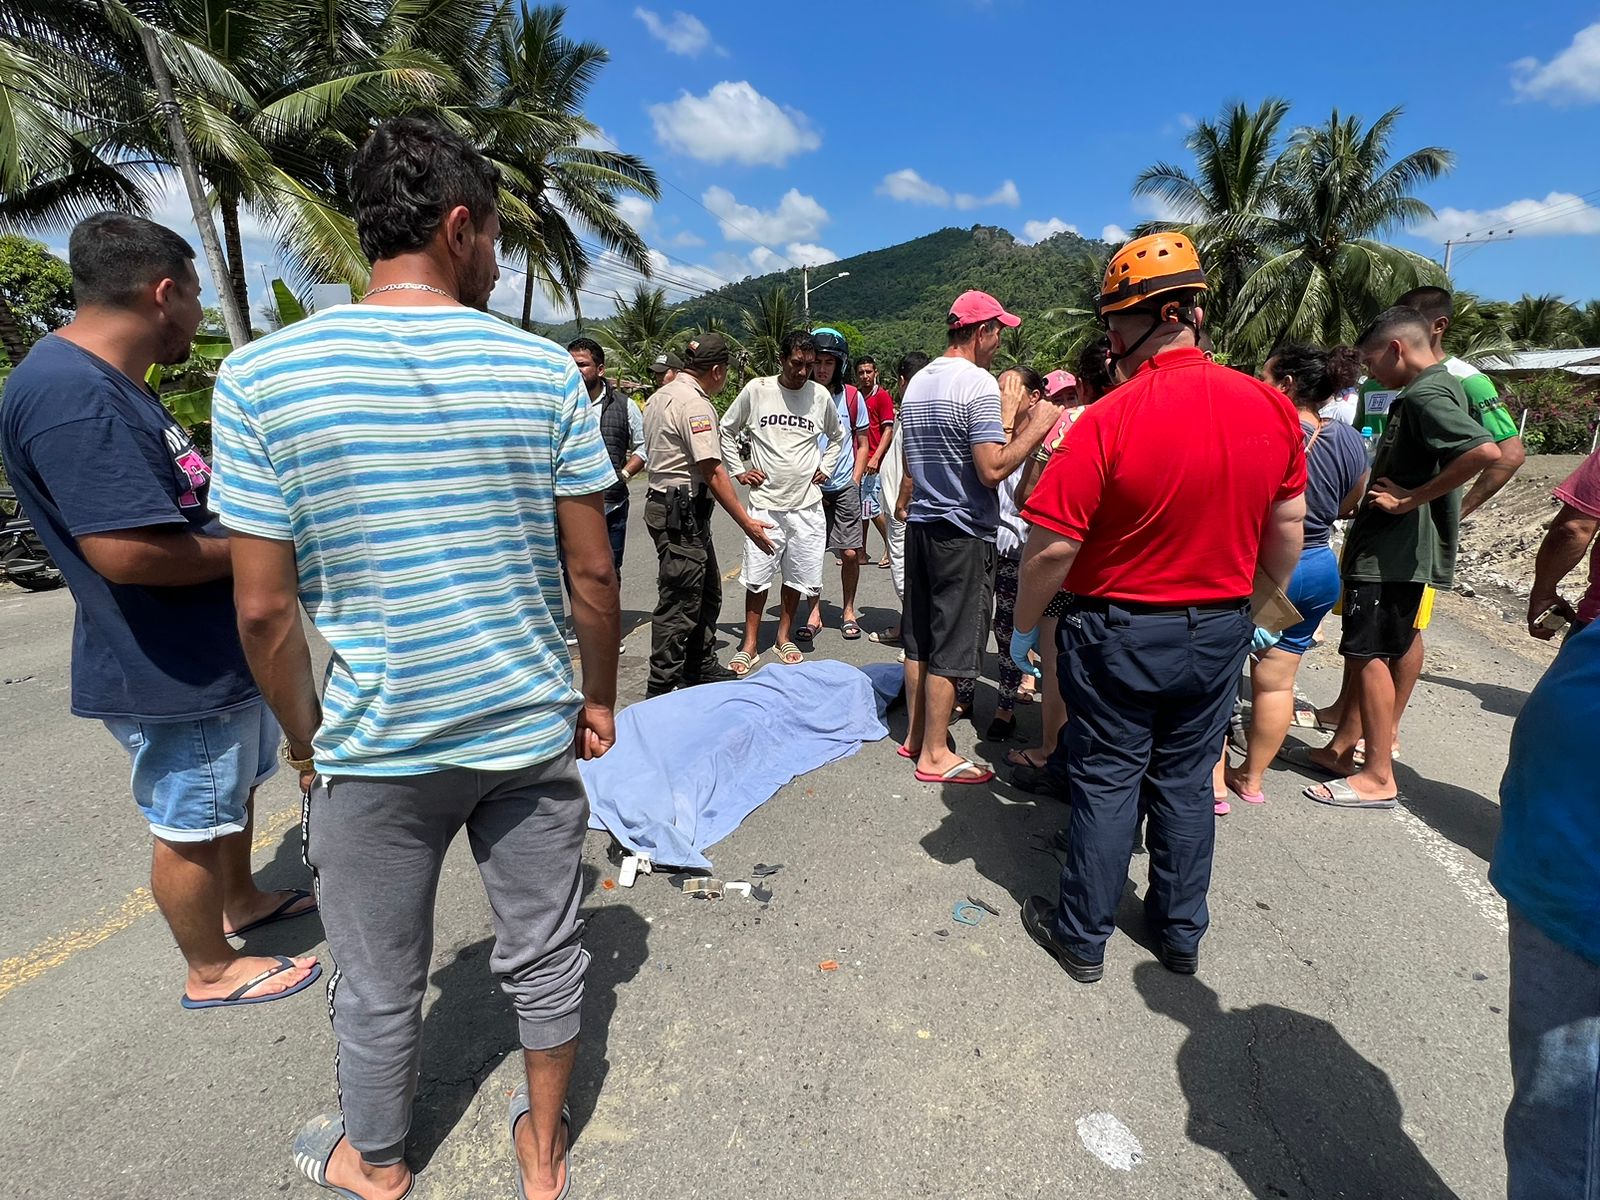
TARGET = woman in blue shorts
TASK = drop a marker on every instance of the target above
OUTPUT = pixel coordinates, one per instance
(1336, 479)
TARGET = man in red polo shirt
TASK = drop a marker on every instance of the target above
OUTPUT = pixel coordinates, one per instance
(1157, 510)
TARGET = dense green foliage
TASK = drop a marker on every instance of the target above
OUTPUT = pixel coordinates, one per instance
(276, 96)
(35, 295)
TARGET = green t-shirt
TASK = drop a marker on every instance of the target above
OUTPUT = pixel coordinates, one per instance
(1372, 408)
(1429, 426)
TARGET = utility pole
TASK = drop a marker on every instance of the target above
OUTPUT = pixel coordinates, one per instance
(1492, 236)
(806, 289)
(237, 323)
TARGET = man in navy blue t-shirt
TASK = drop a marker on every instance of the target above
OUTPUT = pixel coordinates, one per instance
(117, 492)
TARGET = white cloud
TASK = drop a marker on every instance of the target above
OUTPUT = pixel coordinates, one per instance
(684, 238)
(1571, 77)
(797, 217)
(1187, 120)
(810, 254)
(763, 261)
(1159, 208)
(636, 211)
(1113, 234)
(733, 123)
(912, 188)
(1036, 231)
(1005, 194)
(1558, 214)
(908, 186)
(683, 34)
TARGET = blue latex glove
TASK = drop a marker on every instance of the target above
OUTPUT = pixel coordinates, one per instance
(1022, 642)
(1261, 640)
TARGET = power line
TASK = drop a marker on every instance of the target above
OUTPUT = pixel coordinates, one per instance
(1558, 210)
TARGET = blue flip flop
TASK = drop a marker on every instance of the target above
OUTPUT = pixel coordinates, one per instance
(314, 1146)
(281, 913)
(237, 997)
(519, 1108)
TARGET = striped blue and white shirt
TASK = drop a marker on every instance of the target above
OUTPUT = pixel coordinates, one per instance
(413, 456)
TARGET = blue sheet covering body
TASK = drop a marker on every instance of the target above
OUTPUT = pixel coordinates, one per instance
(689, 766)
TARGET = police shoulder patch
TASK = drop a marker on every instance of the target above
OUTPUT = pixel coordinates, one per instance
(700, 424)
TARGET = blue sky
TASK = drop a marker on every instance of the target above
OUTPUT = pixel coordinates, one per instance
(787, 134)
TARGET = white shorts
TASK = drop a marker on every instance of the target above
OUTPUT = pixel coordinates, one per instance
(797, 539)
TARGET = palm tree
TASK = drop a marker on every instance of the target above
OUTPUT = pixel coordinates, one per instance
(1477, 330)
(1541, 323)
(1334, 193)
(1226, 205)
(1017, 346)
(557, 180)
(1586, 323)
(641, 328)
(1071, 326)
(59, 161)
(764, 327)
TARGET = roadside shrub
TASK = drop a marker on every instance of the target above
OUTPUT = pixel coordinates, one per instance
(1561, 415)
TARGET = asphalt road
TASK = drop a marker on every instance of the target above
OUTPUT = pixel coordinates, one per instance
(1344, 1038)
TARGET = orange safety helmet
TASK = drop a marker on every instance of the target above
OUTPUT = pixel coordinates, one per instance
(1148, 266)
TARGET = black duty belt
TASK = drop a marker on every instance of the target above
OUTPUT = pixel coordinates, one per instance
(1099, 604)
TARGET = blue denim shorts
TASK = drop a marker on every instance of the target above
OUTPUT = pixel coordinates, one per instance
(192, 779)
(871, 497)
(1313, 589)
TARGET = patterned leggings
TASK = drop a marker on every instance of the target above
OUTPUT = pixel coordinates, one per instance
(1005, 600)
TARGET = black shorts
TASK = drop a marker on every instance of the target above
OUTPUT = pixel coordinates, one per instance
(949, 598)
(1380, 619)
(842, 509)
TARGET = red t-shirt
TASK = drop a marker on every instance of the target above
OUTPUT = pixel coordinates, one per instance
(880, 412)
(1167, 481)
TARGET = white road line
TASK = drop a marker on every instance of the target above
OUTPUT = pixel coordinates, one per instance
(1439, 848)
(1109, 1140)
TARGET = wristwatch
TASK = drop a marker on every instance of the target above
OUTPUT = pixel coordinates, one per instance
(295, 764)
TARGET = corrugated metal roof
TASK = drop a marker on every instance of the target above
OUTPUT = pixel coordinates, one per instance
(1543, 360)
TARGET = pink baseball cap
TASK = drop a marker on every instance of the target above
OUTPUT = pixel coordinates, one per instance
(972, 308)
(1059, 381)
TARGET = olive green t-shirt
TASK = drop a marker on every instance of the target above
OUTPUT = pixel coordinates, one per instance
(1431, 424)
(1372, 409)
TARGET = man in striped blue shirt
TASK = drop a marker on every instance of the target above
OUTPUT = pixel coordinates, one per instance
(407, 468)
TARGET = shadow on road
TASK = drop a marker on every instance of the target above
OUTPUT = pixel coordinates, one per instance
(1005, 834)
(286, 870)
(1291, 1106)
(1494, 697)
(472, 1027)
(1469, 820)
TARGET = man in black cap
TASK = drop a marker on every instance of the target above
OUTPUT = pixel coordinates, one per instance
(665, 367)
(683, 450)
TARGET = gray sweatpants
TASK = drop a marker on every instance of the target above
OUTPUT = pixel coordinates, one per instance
(376, 846)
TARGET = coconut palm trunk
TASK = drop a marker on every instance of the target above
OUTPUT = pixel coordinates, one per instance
(233, 247)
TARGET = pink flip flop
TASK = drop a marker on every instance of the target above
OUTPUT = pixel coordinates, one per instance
(953, 775)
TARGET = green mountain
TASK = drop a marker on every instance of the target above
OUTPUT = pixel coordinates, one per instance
(897, 297)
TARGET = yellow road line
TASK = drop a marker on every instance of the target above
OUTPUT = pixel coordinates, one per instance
(53, 951)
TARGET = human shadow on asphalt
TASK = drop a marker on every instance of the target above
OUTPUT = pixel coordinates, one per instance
(1464, 817)
(286, 870)
(1494, 697)
(472, 1028)
(1288, 1103)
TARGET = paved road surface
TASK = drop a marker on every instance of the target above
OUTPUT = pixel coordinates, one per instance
(1345, 1037)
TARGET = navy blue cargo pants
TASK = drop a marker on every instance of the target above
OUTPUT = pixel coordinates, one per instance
(1148, 694)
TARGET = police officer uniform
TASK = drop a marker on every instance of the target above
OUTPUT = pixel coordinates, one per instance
(680, 432)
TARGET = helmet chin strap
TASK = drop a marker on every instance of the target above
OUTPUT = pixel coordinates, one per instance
(1173, 310)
